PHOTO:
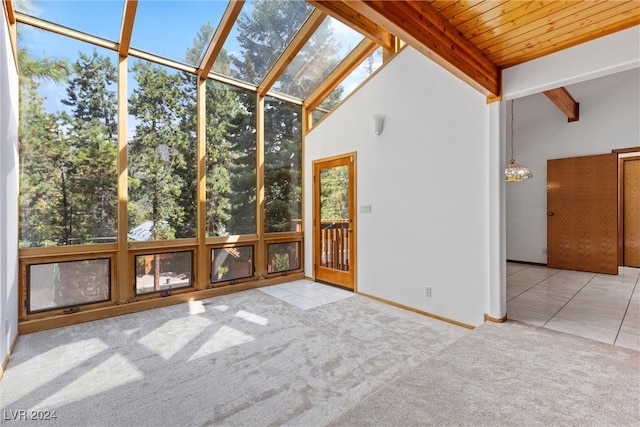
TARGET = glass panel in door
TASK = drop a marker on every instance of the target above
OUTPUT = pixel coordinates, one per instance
(335, 223)
(334, 220)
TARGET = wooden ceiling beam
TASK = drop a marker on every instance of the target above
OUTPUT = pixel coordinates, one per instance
(128, 16)
(422, 27)
(64, 31)
(565, 102)
(343, 12)
(13, 30)
(220, 36)
(298, 42)
(350, 63)
(10, 10)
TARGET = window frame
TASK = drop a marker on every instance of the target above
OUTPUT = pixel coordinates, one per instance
(162, 292)
(27, 314)
(236, 280)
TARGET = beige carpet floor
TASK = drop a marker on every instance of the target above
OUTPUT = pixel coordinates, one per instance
(250, 359)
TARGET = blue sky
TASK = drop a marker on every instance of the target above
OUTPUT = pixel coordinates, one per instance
(163, 27)
(166, 28)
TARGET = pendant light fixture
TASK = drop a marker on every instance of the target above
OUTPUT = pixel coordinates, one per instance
(515, 172)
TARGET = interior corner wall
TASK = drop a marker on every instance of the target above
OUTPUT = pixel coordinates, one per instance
(426, 178)
(609, 119)
(8, 192)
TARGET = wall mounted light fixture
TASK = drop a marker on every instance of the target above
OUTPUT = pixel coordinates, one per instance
(378, 123)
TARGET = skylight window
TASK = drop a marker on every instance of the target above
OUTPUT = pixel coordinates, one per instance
(328, 46)
(177, 30)
(354, 79)
(258, 38)
(98, 18)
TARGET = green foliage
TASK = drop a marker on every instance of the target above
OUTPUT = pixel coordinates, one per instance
(91, 94)
(242, 166)
(282, 158)
(43, 68)
(281, 262)
(68, 192)
(68, 162)
(157, 149)
(334, 193)
(263, 35)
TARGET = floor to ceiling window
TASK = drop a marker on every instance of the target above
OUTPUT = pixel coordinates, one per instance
(162, 155)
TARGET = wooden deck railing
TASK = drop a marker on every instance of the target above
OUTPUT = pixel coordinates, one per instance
(334, 243)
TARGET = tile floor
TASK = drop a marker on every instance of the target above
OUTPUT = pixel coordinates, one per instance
(602, 307)
(306, 294)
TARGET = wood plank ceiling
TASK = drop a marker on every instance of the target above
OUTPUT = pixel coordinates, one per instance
(475, 39)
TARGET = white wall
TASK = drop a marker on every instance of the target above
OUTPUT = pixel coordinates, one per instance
(600, 57)
(426, 178)
(8, 192)
(609, 119)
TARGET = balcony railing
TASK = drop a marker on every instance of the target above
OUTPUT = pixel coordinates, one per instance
(334, 243)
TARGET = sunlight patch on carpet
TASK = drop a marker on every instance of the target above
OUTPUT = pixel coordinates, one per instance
(173, 335)
(251, 317)
(53, 363)
(117, 368)
(225, 338)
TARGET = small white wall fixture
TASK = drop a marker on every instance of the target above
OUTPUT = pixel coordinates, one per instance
(378, 123)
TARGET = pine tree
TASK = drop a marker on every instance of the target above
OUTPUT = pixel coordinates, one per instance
(262, 33)
(91, 133)
(41, 219)
(158, 147)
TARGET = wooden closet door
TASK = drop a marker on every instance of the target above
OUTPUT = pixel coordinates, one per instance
(582, 213)
(631, 209)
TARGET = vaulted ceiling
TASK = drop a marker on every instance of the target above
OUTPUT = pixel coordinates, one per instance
(474, 39)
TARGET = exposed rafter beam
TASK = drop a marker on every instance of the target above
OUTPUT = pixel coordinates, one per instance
(421, 26)
(298, 42)
(13, 32)
(128, 16)
(344, 13)
(220, 36)
(162, 61)
(387, 54)
(565, 102)
(9, 8)
(350, 63)
(44, 25)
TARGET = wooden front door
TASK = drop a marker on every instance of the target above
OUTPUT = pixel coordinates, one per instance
(631, 211)
(334, 220)
(582, 213)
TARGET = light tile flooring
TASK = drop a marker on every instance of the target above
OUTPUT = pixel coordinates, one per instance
(306, 294)
(602, 307)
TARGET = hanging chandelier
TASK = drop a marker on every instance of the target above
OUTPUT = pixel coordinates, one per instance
(515, 172)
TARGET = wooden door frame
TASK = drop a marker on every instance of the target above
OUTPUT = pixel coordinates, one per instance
(624, 155)
(315, 207)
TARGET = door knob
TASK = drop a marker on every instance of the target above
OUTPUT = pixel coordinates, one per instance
(549, 213)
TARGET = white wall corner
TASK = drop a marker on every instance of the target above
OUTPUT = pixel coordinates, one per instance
(8, 192)
(497, 295)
